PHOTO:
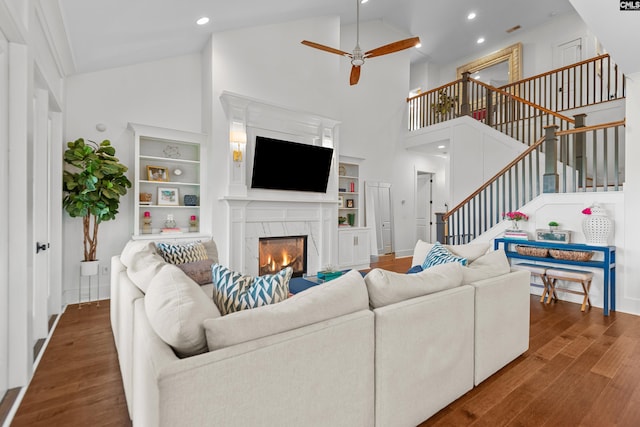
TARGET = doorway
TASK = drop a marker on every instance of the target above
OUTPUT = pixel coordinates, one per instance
(379, 215)
(424, 204)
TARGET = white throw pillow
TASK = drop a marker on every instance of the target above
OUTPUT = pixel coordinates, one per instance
(135, 247)
(386, 287)
(492, 264)
(344, 295)
(143, 267)
(176, 308)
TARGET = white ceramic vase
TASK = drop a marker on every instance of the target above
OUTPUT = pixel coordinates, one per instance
(89, 268)
(597, 227)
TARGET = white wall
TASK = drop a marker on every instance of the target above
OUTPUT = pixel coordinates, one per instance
(538, 48)
(374, 126)
(164, 93)
(270, 64)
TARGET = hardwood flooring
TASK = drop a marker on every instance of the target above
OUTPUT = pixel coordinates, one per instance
(580, 369)
(78, 381)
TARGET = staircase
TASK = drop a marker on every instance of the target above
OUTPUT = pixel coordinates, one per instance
(563, 155)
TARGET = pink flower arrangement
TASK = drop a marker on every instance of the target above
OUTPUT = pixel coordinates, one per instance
(586, 211)
(515, 216)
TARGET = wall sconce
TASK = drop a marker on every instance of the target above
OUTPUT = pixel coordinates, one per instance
(237, 137)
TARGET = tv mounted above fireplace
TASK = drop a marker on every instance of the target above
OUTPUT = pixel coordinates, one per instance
(285, 165)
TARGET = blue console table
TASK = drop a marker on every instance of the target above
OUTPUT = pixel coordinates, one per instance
(607, 264)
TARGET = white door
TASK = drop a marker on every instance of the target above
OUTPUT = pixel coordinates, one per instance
(566, 54)
(41, 214)
(423, 206)
(380, 215)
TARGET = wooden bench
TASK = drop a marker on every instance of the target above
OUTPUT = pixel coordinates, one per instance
(570, 275)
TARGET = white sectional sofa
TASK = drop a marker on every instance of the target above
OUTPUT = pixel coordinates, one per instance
(388, 350)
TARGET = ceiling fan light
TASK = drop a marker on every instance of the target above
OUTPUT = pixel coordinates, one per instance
(356, 62)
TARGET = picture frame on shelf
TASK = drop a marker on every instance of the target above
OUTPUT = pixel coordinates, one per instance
(340, 201)
(168, 196)
(157, 173)
(553, 236)
(350, 203)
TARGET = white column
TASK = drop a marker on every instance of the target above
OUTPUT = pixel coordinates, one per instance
(631, 270)
(21, 255)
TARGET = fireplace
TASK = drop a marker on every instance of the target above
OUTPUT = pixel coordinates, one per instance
(276, 253)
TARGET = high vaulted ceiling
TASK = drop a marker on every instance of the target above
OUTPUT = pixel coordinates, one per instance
(104, 34)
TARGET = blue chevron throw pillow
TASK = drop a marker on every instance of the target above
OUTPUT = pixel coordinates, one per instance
(233, 292)
(440, 255)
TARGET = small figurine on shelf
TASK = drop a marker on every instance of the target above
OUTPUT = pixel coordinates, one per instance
(146, 223)
(170, 222)
(193, 223)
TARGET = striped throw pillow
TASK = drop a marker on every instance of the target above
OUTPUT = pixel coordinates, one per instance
(234, 292)
(440, 255)
(181, 253)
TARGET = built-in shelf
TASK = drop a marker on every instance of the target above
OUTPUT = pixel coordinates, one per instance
(178, 155)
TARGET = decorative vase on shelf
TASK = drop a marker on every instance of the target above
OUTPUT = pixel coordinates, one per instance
(596, 226)
(170, 222)
(515, 225)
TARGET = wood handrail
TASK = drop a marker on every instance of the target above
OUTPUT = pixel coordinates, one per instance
(529, 103)
(557, 70)
(522, 155)
(592, 128)
(434, 90)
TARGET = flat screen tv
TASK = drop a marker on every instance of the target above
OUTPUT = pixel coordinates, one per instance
(285, 165)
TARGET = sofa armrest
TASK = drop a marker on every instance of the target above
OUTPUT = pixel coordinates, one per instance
(502, 307)
(116, 268)
(322, 374)
(424, 355)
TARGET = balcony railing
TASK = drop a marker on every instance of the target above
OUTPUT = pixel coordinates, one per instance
(578, 85)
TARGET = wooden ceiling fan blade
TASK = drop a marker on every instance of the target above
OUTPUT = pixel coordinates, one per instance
(355, 75)
(392, 47)
(325, 48)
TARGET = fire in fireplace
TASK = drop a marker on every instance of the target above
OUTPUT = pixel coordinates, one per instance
(276, 253)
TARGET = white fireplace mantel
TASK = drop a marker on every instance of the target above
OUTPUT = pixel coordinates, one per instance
(255, 213)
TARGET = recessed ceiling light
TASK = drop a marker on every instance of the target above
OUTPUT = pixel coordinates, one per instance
(202, 21)
(441, 146)
(471, 16)
(363, 1)
(477, 77)
(480, 40)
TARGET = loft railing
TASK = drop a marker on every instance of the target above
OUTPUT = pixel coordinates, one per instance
(581, 84)
(572, 160)
(505, 112)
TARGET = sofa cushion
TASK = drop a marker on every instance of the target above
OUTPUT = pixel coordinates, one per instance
(134, 247)
(176, 307)
(440, 255)
(143, 266)
(344, 295)
(470, 251)
(180, 253)
(212, 250)
(386, 287)
(198, 271)
(492, 264)
(233, 292)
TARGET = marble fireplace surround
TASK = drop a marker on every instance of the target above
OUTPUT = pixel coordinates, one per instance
(252, 219)
(255, 213)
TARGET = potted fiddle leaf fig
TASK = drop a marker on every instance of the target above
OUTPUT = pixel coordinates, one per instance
(93, 182)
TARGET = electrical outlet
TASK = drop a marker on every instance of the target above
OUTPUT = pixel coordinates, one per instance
(104, 270)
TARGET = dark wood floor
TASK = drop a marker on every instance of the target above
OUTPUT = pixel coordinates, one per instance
(581, 369)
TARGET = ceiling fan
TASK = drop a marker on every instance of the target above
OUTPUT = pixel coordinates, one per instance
(357, 56)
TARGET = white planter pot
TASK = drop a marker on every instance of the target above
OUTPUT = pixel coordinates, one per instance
(89, 268)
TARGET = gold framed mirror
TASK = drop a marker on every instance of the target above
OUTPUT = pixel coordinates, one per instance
(495, 62)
